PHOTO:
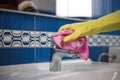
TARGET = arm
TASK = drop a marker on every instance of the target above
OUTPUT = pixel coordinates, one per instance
(110, 22)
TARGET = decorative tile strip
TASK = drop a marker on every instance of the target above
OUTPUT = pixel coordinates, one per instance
(19, 38)
(104, 40)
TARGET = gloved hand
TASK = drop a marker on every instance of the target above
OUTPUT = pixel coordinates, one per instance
(110, 22)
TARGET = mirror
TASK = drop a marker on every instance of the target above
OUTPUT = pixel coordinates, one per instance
(45, 6)
(65, 8)
(61, 8)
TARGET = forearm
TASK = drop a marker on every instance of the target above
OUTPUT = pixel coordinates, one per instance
(110, 22)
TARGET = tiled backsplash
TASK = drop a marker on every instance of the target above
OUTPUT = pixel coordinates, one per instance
(19, 38)
(104, 40)
(16, 38)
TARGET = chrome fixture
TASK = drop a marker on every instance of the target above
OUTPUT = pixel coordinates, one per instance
(55, 63)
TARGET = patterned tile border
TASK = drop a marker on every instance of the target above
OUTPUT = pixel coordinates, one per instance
(104, 40)
(18, 38)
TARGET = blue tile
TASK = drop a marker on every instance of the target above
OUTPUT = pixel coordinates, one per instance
(96, 51)
(42, 54)
(50, 24)
(112, 33)
(16, 21)
(115, 5)
(10, 56)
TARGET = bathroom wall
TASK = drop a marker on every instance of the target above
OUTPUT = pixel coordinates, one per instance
(115, 5)
(25, 37)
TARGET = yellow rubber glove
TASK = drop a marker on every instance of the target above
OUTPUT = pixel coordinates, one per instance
(110, 22)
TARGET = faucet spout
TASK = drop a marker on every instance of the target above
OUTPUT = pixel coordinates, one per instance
(55, 64)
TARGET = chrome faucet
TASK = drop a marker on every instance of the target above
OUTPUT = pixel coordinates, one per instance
(55, 63)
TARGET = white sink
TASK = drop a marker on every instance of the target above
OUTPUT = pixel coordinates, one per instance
(71, 70)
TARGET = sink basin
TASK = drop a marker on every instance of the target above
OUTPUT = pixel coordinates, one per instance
(71, 70)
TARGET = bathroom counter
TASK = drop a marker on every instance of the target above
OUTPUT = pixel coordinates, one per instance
(71, 70)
